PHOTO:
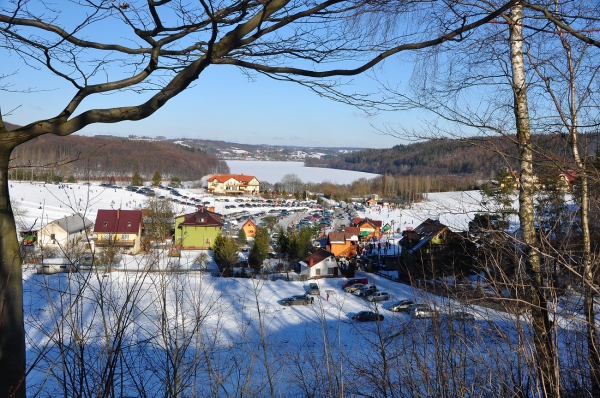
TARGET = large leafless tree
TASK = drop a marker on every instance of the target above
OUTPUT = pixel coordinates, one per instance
(158, 49)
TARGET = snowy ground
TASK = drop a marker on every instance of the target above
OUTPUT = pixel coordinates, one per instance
(234, 323)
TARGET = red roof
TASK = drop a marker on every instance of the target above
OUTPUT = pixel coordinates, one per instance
(118, 221)
(317, 257)
(202, 218)
(226, 177)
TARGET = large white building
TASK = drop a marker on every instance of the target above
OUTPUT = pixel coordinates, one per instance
(233, 184)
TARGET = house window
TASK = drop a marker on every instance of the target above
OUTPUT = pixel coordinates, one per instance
(329, 271)
(318, 271)
(52, 236)
(129, 224)
(125, 236)
(106, 236)
(207, 241)
(105, 223)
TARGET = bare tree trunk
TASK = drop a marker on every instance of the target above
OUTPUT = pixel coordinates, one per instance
(12, 331)
(545, 354)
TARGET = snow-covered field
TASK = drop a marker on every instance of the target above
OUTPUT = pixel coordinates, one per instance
(155, 333)
(274, 171)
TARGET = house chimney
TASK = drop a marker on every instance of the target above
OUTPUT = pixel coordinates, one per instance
(311, 262)
(118, 214)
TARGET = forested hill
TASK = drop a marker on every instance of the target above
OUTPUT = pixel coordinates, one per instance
(105, 157)
(474, 157)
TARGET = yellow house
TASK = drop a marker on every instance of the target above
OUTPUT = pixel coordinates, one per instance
(342, 244)
(233, 184)
(119, 228)
(249, 228)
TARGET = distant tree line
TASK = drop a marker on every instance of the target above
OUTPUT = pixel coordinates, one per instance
(445, 156)
(103, 158)
(401, 188)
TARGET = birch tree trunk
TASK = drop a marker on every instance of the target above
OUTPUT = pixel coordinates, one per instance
(544, 349)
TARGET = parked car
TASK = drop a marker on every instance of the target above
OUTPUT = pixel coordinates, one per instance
(366, 290)
(353, 281)
(401, 306)
(353, 288)
(299, 299)
(379, 296)
(421, 311)
(462, 316)
(313, 288)
(366, 316)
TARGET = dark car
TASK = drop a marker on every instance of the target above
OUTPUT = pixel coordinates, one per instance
(462, 316)
(401, 306)
(300, 299)
(366, 316)
(366, 290)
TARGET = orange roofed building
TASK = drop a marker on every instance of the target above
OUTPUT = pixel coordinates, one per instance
(233, 184)
(249, 229)
(368, 228)
(342, 244)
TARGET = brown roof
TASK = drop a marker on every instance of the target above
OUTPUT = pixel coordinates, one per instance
(118, 221)
(360, 221)
(317, 257)
(352, 230)
(202, 218)
(430, 228)
(339, 237)
(225, 177)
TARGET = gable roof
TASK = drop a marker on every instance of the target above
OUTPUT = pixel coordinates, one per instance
(202, 218)
(317, 257)
(118, 221)
(225, 177)
(428, 230)
(74, 223)
(352, 230)
(358, 222)
(249, 221)
(340, 238)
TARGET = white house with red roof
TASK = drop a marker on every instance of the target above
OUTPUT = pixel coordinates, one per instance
(233, 184)
(320, 264)
(120, 228)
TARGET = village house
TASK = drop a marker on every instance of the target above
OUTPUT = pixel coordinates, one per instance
(233, 184)
(320, 264)
(197, 231)
(65, 231)
(342, 244)
(249, 228)
(433, 248)
(367, 228)
(119, 228)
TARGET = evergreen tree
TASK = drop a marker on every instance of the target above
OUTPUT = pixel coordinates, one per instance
(136, 180)
(156, 178)
(175, 182)
(260, 249)
(242, 239)
(225, 252)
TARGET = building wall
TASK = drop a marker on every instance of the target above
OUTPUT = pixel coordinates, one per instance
(322, 269)
(61, 237)
(195, 236)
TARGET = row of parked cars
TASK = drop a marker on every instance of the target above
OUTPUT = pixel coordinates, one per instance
(361, 287)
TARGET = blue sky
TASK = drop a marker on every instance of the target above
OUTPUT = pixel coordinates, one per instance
(222, 105)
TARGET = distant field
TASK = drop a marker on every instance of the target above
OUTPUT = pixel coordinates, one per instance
(274, 171)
